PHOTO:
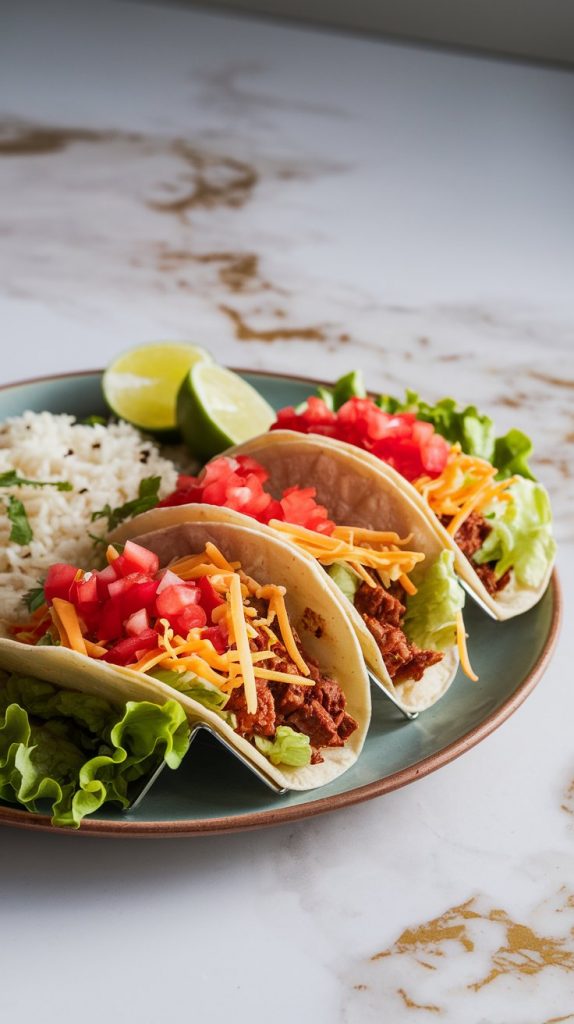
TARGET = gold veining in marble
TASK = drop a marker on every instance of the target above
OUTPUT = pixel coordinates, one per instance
(568, 804)
(523, 952)
(244, 332)
(411, 1005)
(213, 181)
(546, 378)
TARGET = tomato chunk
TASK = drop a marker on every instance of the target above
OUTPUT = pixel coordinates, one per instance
(127, 650)
(59, 580)
(210, 599)
(190, 618)
(173, 600)
(140, 559)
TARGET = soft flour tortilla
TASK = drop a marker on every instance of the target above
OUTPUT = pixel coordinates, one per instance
(268, 560)
(513, 600)
(353, 496)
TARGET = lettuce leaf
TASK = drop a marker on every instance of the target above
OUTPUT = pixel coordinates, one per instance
(77, 751)
(288, 747)
(521, 534)
(430, 619)
(347, 581)
(198, 689)
(511, 453)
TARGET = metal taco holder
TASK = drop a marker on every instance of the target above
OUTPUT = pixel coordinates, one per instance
(143, 786)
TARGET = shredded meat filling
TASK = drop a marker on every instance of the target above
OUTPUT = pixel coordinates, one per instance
(318, 711)
(383, 612)
(470, 537)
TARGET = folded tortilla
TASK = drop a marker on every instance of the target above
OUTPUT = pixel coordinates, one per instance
(325, 634)
(353, 496)
(515, 599)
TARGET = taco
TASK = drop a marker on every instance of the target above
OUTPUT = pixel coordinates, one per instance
(381, 559)
(239, 629)
(476, 489)
(77, 745)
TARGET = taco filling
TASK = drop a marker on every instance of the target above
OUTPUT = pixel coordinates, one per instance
(479, 487)
(371, 567)
(210, 631)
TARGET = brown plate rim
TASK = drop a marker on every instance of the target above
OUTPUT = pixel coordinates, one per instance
(280, 816)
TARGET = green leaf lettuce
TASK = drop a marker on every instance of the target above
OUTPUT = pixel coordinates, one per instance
(287, 747)
(430, 620)
(78, 752)
(521, 535)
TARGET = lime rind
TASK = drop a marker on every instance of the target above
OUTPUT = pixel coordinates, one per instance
(217, 408)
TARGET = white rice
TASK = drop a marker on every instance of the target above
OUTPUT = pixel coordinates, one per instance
(104, 464)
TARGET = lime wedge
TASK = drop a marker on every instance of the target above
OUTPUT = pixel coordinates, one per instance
(216, 408)
(141, 385)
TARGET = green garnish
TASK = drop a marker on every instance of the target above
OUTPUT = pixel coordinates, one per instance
(35, 598)
(93, 421)
(288, 747)
(148, 496)
(21, 531)
(12, 479)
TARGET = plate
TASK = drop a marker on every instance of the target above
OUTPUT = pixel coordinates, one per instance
(212, 792)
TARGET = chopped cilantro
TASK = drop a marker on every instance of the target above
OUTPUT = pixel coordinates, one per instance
(148, 496)
(35, 598)
(92, 421)
(21, 532)
(12, 479)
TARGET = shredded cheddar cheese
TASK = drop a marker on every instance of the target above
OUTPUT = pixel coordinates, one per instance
(67, 620)
(465, 485)
(462, 649)
(242, 641)
(360, 548)
(278, 604)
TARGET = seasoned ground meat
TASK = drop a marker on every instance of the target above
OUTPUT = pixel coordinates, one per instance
(262, 723)
(383, 613)
(470, 537)
(318, 711)
(288, 698)
(317, 724)
(378, 603)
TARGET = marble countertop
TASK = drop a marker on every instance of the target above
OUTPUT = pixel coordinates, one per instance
(303, 202)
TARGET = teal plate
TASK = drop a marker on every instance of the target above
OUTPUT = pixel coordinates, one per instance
(212, 792)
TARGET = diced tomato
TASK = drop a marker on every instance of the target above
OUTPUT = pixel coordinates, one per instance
(174, 600)
(141, 595)
(210, 599)
(168, 579)
(137, 623)
(218, 636)
(104, 577)
(121, 566)
(140, 559)
(127, 650)
(300, 508)
(189, 618)
(434, 455)
(411, 446)
(110, 624)
(59, 580)
(85, 591)
(125, 583)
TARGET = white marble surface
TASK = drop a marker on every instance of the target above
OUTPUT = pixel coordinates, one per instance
(303, 202)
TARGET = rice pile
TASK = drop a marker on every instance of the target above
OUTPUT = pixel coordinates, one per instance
(103, 463)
